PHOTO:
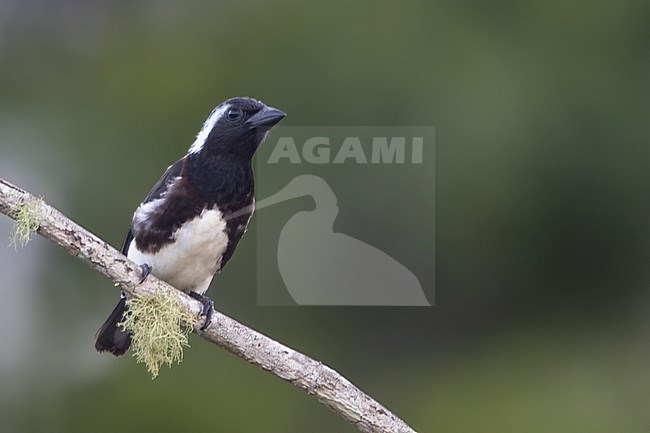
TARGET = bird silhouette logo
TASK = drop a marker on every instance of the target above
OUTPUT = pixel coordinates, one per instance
(322, 267)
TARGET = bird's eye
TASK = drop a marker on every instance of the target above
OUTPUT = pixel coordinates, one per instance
(235, 114)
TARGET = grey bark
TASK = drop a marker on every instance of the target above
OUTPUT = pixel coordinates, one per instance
(317, 379)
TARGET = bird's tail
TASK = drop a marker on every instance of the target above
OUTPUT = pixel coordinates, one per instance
(111, 337)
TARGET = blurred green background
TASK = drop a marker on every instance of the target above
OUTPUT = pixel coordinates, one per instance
(542, 125)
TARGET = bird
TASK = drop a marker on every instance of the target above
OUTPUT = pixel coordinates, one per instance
(189, 224)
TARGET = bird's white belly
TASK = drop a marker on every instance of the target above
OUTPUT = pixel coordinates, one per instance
(191, 259)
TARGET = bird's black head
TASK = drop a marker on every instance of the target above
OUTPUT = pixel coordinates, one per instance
(236, 127)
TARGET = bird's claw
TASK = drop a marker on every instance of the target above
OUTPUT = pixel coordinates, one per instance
(208, 308)
(146, 270)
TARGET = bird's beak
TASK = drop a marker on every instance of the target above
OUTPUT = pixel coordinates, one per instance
(266, 117)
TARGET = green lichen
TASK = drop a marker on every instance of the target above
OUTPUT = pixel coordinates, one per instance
(160, 328)
(26, 223)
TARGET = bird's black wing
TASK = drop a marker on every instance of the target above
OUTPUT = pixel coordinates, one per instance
(127, 242)
(236, 227)
(157, 191)
(174, 170)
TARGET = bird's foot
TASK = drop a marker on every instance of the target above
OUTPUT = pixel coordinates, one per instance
(146, 270)
(208, 308)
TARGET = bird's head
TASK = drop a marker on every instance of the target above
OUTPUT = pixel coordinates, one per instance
(237, 127)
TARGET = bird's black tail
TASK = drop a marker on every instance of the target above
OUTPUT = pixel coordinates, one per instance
(111, 337)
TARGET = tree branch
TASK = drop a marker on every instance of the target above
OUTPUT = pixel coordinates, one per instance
(328, 386)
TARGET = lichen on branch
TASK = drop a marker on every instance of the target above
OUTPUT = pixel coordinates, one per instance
(27, 222)
(157, 328)
(160, 327)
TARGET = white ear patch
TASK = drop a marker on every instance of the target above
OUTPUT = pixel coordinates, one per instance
(212, 120)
